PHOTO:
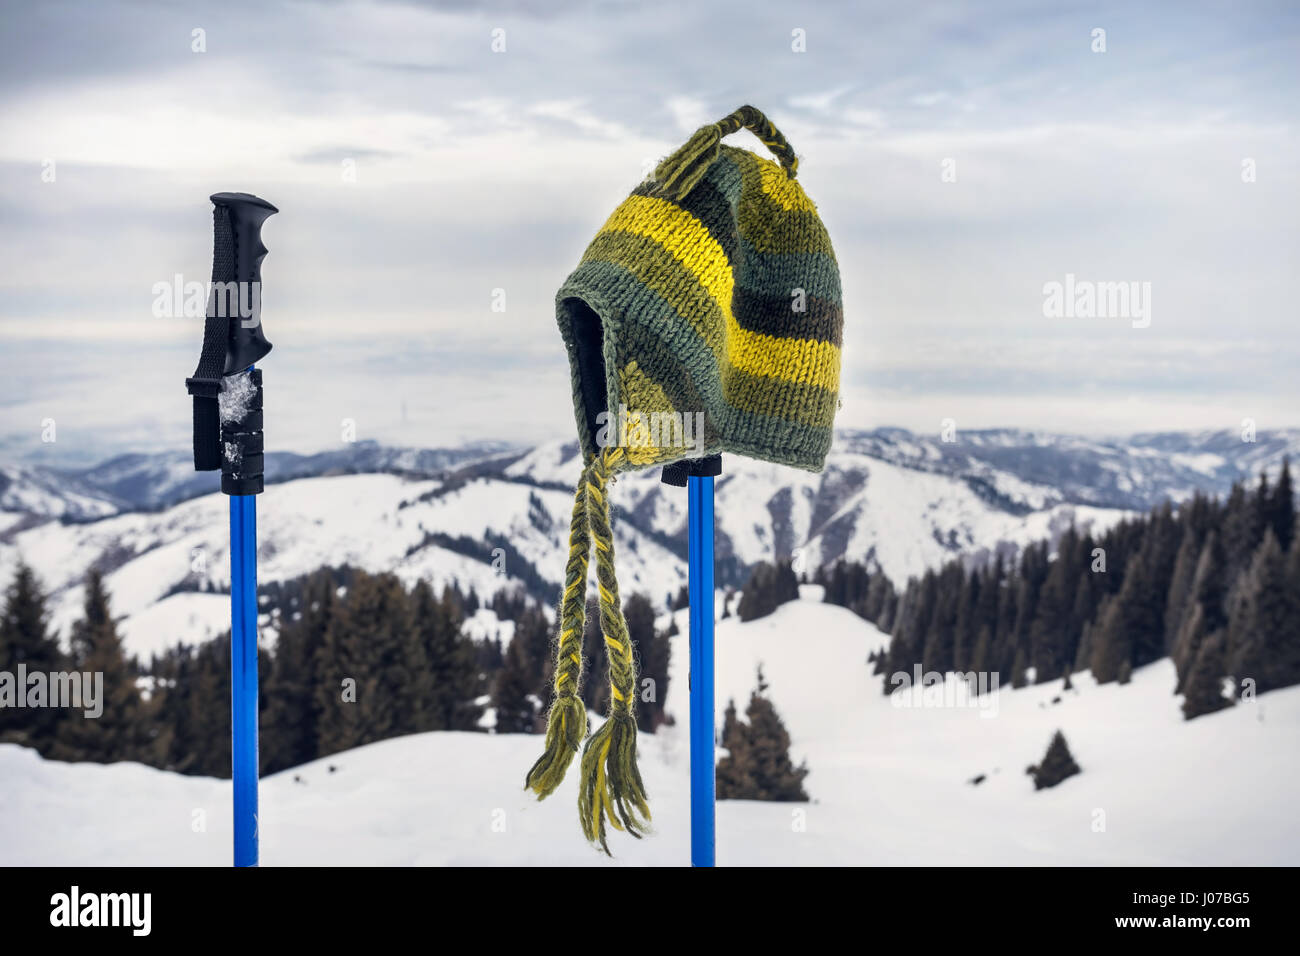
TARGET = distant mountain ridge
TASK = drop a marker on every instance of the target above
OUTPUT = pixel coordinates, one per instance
(1016, 469)
(148, 482)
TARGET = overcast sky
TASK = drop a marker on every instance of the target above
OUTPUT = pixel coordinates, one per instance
(478, 170)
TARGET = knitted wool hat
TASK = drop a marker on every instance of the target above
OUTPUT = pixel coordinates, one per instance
(704, 317)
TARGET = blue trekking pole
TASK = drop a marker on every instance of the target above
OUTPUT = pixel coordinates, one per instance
(227, 391)
(697, 476)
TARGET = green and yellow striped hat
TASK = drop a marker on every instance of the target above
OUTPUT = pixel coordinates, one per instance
(705, 317)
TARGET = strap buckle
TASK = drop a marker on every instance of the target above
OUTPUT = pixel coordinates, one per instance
(203, 387)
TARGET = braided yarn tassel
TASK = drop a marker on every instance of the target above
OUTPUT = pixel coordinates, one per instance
(566, 724)
(681, 172)
(611, 789)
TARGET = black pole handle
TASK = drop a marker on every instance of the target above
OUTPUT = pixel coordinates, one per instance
(246, 342)
(227, 391)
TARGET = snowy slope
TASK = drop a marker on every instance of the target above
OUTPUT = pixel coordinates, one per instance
(863, 507)
(38, 491)
(889, 783)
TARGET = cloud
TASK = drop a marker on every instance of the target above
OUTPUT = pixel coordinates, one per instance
(477, 171)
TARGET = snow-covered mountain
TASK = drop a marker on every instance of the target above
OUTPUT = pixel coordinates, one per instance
(436, 530)
(861, 506)
(1021, 470)
(891, 781)
(489, 516)
(1136, 472)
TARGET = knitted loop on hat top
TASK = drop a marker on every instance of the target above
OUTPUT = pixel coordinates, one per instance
(705, 317)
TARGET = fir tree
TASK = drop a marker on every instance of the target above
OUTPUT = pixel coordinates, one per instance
(1019, 675)
(1241, 530)
(683, 599)
(1083, 657)
(1279, 510)
(452, 658)
(1057, 764)
(25, 639)
(769, 586)
(119, 732)
(983, 649)
(1264, 629)
(289, 724)
(734, 772)
(363, 695)
(515, 713)
(1052, 633)
(757, 765)
(1086, 596)
(1131, 627)
(653, 651)
(1209, 593)
(398, 660)
(1203, 690)
(204, 746)
(1180, 598)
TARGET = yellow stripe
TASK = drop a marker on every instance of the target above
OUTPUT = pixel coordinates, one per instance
(688, 241)
(609, 808)
(805, 361)
(782, 189)
(614, 690)
(599, 794)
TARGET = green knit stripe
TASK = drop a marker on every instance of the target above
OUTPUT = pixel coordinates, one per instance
(755, 398)
(725, 176)
(801, 232)
(661, 288)
(777, 273)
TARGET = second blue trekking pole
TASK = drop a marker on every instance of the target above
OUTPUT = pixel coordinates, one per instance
(697, 475)
(700, 559)
(227, 391)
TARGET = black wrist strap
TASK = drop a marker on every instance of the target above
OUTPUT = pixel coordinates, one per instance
(205, 383)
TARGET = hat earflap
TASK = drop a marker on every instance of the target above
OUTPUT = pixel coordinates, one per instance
(681, 172)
